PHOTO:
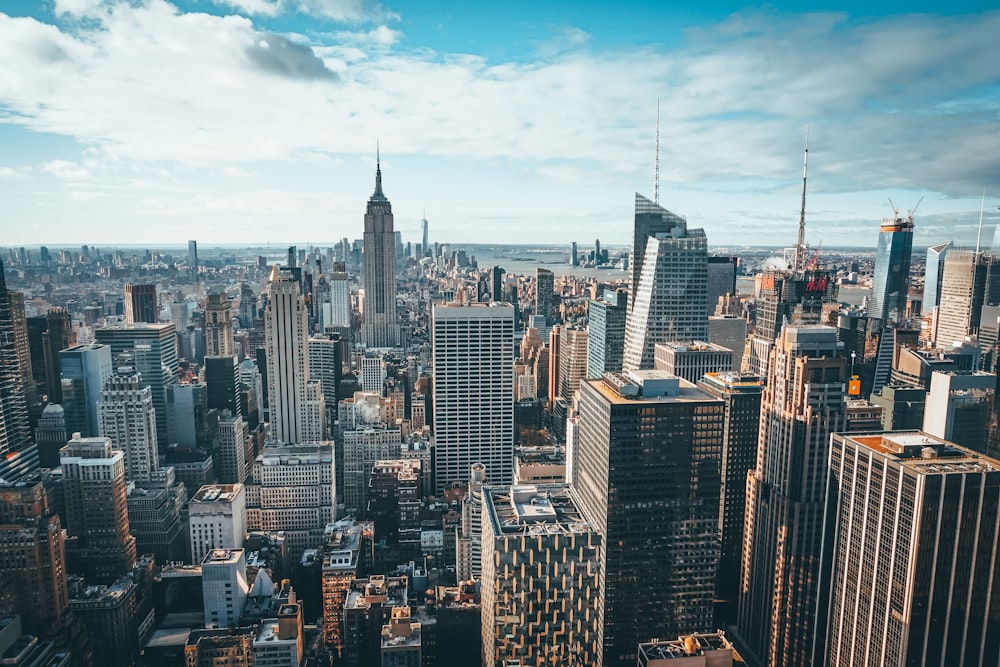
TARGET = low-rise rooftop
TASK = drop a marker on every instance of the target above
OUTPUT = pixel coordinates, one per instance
(925, 453)
(531, 509)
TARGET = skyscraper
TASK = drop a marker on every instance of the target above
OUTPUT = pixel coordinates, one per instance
(97, 509)
(297, 412)
(154, 349)
(231, 465)
(248, 306)
(22, 351)
(47, 335)
(606, 333)
(934, 273)
(802, 404)
(423, 226)
(51, 435)
(671, 288)
(381, 325)
(193, 259)
(891, 282)
(15, 430)
(970, 280)
(913, 523)
(650, 219)
(741, 397)
(544, 295)
(646, 469)
(32, 549)
(84, 370)
(337, 312)
(217, 519)
(293, 489)
(473, 366)
(496, 284)
(572, 361)
(219, 326)
(545, 526)
(795, 297)
(126, 416)
(721, 279)
(326, 366)
(141, 304)
(960, 406)
(223, 386)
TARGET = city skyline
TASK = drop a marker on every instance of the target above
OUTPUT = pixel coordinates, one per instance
(131, 123)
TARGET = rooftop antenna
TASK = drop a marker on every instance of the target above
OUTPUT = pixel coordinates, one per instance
(656, 168)
(982, 206)
(801, 248)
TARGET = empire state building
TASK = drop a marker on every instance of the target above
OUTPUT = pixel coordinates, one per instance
(381, 325)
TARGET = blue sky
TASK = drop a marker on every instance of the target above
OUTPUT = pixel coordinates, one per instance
(256, 120)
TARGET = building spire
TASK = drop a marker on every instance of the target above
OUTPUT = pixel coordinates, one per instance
(979, 237)
(378, 195)
(801, 248)
(656, 167)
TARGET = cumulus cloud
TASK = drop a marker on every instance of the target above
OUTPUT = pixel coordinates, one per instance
(278, 55)
(14, 173)
(346, 10)
(253, 7)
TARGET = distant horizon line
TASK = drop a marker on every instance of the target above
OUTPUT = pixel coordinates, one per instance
(282, 247)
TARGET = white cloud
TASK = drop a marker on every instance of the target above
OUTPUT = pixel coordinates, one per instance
(381, 35)
(67, 171)
(346, 10)
(14, 173)
(77, 8)
(253, 7)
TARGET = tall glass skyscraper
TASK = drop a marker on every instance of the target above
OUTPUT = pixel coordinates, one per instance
(970, 280)
(650, 219)
(606, 334)
(891, 282)
(646, 467)
(933, 275)
(670, 284)
(154, 347)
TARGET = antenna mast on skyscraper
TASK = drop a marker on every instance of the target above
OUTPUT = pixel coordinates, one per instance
(982, 207)
(656, 168)
(801, 248)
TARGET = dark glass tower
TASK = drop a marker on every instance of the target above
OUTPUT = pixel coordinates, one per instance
(646, 468)
(140, 304)
(741, 396)
(891, 282)
(545, 295)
